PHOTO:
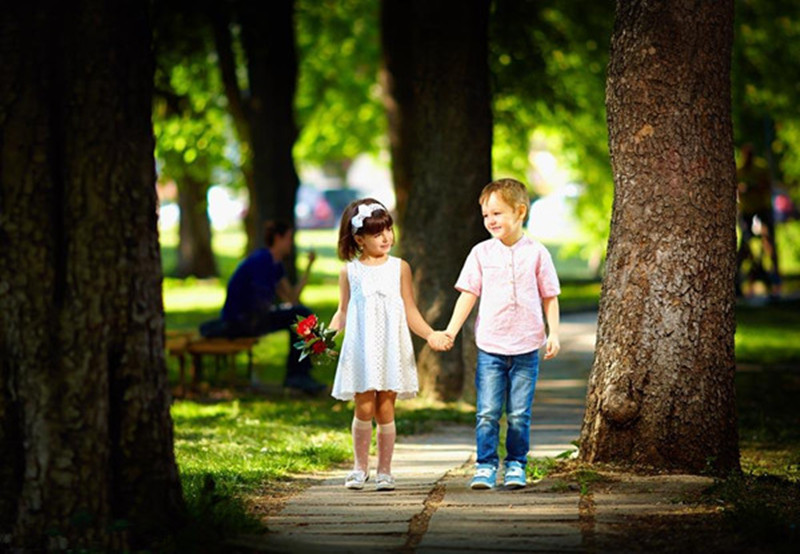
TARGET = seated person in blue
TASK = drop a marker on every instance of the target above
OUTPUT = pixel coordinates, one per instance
(250, 309)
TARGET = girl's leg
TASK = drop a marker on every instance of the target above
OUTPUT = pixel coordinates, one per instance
(386, 434)
(362, 429)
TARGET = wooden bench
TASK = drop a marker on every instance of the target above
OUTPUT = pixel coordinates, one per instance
(177, 342)
(180, 344)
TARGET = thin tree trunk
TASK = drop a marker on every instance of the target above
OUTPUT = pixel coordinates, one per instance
(84, 405)
(272, 70)
(440, 122)
(661, 390)
(239, 109)
(265, 118)
(195, 255)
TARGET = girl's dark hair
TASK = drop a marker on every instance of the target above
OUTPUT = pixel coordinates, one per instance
(375, 223)
(274, 229)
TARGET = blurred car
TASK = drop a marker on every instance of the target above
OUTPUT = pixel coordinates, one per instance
(321, 208)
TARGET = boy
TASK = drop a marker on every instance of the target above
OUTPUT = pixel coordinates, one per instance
(515, 277)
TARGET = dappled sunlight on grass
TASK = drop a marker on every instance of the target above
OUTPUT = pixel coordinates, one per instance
(768, 334)
(244, 442)
(190, 294)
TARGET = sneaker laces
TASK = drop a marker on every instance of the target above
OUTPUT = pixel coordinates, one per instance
(483, 472)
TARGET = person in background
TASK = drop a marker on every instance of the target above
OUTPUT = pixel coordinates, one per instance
(756, 217)
(250, 304)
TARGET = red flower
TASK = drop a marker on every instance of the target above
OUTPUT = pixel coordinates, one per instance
(318, 347)
(307, 325)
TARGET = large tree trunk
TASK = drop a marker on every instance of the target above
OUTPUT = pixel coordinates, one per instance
(436, 75)
(661, 390)
(195, 255)
(87, 450)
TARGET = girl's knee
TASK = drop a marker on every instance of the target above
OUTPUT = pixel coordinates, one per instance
(384, 412)
(365, 405)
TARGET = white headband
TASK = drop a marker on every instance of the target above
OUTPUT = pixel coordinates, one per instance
(364, 211)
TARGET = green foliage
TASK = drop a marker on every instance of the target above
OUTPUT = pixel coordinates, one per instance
(339, 107)
(190, 120)
(766, 80)
(548, 61)
(539, 468)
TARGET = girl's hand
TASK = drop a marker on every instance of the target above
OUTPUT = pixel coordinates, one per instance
(439, 341)
(553, 346)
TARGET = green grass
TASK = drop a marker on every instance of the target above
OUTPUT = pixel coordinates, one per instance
(768, 335)
(230, 452)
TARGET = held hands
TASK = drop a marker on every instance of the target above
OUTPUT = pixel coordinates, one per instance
(553, 346)
(440, 341)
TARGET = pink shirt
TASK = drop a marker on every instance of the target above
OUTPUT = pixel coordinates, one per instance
(511, 282)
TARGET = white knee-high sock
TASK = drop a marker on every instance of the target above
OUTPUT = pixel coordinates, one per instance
(362, 437)
(386, 435)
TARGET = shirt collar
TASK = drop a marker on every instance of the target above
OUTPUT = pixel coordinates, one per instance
(524, 240)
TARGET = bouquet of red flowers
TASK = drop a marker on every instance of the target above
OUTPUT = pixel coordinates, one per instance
(316, 340)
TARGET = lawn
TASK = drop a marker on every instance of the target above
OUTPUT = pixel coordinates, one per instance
(233, 448)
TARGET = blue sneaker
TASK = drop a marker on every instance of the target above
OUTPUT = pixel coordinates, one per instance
(515, 475)
(485, 477)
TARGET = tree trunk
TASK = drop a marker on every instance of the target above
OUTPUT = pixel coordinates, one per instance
(272, 71)
(87, 456)
(440, 122)
(265, 118)
(220, 19)
(661, 391)
(195, 256)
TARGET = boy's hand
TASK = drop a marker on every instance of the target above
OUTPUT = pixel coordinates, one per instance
(439, 341)
(553, 346)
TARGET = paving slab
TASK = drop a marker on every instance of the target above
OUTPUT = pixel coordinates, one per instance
(487, 541)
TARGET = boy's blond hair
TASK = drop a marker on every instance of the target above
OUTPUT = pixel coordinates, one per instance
(511, 191)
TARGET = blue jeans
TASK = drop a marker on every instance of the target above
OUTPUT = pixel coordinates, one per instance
(509, 380)
(278, 319)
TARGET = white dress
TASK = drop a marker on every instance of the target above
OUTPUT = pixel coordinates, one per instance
(377, 353)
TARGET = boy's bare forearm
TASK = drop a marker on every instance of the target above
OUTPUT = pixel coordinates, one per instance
(551, 313)
(464, 305)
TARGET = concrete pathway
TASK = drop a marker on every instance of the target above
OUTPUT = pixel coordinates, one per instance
(433, 509)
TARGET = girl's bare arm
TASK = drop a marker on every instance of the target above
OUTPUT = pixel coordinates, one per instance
(340, 317)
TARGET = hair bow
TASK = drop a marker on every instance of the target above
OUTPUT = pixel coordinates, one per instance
(364, 211)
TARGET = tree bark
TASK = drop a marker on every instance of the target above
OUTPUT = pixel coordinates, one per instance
(87, 457)
(661, 391)
(440, 124)
(195, 255)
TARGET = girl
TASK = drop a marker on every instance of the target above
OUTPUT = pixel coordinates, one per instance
(376, 364)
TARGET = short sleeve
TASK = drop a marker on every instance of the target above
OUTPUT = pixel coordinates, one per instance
(470, 279)
(546, 276)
